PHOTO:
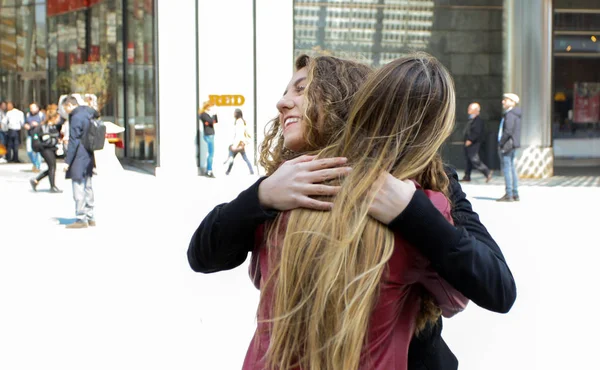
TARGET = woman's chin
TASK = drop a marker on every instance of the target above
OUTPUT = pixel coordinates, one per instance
(293, 145)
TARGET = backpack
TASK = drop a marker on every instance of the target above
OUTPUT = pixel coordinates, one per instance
(93, 138)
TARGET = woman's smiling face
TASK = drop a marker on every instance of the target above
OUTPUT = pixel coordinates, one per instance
(291, 111)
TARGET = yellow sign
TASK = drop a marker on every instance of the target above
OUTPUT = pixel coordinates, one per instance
(227, 100)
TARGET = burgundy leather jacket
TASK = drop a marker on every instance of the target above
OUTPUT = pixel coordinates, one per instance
(392, 324)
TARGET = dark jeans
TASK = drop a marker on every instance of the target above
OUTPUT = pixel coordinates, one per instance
(473, 161)
(510, 173)
(231, 159)
(49, 156)
(12, 145)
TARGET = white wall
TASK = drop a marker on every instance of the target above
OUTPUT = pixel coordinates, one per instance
(226, 68)
(177, 88)
(275, 55)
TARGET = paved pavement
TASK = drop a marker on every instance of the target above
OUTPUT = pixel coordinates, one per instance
(121, 296)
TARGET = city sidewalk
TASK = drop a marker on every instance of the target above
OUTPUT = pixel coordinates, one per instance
(122, 296)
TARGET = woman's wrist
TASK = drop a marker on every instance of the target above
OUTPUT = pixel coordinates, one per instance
(263, 194)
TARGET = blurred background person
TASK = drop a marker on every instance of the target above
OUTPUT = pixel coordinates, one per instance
(33, 119)
(241, 138)
(45, 138)
(474, 134)
(80, 162)
(509, 140)
(15, 121)
(3, 131)
(208, 123)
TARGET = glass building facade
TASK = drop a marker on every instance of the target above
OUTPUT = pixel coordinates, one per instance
(43, 45)
(466, 36)
(474, 40)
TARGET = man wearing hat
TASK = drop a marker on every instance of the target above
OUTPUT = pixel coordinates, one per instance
(509, 139)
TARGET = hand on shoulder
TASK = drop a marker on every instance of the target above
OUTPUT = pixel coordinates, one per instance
(296, 181)
(391, 197)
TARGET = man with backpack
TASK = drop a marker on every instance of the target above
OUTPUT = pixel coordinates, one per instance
(80, 159)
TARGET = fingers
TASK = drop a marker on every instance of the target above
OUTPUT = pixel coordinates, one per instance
(328, 174)
(317, 205)
(301, 159)
(321, 164)
(315, 189)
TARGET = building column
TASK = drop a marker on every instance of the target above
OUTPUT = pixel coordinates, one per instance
(177, 100)
(528, 73)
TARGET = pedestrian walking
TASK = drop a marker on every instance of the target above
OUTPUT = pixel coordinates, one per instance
(473, 136)
(241, 138)
(45, 139)
(33, 119)
(509, 140)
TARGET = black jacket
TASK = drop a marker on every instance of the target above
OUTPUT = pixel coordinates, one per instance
(44, 137)
(511, 131)
(474, 131)
(208, 124)
(465, 255)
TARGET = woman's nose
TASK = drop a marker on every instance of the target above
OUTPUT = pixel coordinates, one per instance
(285, 103)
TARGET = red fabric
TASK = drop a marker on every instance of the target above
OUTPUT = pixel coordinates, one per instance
(392, 324)
(55, 7)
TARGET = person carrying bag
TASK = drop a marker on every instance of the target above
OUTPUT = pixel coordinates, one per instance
(241, 138)
(45, 140)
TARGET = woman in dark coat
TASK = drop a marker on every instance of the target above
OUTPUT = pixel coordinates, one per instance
(44, 140)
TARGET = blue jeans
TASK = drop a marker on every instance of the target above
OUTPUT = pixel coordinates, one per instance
(34, 157)
(210, 143)
(83, 194)
(510, 174)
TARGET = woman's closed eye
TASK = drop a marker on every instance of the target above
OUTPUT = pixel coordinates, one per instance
(300, 88)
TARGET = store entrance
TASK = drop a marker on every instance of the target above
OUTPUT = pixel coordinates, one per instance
(576, 81)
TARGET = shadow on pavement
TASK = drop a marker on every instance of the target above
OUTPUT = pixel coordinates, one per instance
(65, 221)
(486, 198)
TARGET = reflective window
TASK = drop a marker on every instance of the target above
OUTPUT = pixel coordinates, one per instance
(50, 48)
(23, 51)
(468, 40)
(576, 77)
(141, 92)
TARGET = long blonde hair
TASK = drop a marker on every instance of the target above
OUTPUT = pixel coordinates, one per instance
(327, 270)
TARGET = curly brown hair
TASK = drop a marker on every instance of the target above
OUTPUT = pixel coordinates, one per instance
(331, 86)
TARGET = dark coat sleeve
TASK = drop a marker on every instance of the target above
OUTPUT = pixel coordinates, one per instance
(226, 235)
(476, 131)
(76, 127)
(509, 130)
(465, 254)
